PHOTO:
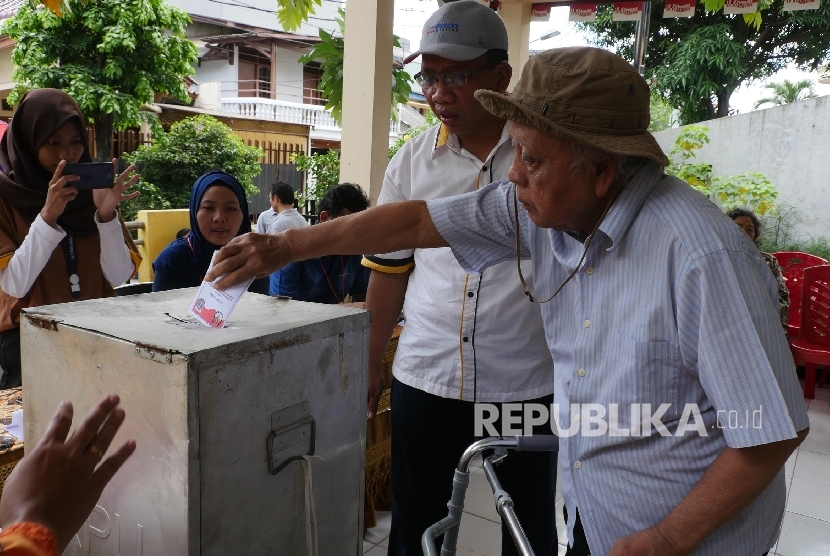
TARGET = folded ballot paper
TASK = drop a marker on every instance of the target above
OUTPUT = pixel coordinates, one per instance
(212, 307)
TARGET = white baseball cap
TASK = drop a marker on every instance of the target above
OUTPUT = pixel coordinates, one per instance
(461, 31)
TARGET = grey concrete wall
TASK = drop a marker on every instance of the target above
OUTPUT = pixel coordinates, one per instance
(789, 143)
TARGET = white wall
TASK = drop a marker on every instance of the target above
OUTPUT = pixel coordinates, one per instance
(6, 69)
(790, 144)
(289, 76)
(259, 17)
(219, 70)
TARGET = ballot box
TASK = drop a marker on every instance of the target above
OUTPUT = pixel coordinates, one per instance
(251, 438)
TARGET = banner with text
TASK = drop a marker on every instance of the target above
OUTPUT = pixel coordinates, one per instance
(679, 8)
(540, 12)
(583, 12)
(795, 5)
(740, 6)
(627, 11)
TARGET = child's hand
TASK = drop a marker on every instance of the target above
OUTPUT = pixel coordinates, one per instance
(107, 199)
(58, 195)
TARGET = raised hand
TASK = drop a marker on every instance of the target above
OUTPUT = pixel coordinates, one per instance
(59, 482)
(58, 195)
(107, 199)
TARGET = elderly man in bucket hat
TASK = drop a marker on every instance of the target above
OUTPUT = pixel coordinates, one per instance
(657, 308)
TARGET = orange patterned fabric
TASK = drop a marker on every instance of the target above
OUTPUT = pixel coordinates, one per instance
(27, 539)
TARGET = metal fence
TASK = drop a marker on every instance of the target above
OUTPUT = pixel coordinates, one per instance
(276, 165)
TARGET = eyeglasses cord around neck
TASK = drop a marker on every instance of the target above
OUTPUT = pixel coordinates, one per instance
(579, 264)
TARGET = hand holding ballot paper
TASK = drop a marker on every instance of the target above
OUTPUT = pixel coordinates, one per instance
(211, 306)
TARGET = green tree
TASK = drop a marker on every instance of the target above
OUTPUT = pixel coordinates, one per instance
(111, 56)
(787, 92)
(292, 13)
(691, 139)
(698, 62)
(329, 52)
(325, 171)
(431, 118)
(170, 166)
(662, 114)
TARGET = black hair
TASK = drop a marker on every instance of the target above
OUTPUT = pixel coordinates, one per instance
(496, 55)
(283, 191)
(738, 212)
(184, 232)
(344, 196)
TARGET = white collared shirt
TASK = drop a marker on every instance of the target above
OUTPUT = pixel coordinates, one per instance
(473, 337)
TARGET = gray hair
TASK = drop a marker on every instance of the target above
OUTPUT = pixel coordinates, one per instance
(585, 158)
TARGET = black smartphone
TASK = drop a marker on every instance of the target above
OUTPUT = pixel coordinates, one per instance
(94, 175)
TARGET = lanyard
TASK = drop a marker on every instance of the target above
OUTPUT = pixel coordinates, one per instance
(342, 280)
(72, 265)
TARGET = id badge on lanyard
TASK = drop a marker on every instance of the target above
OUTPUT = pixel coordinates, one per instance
(72, 266)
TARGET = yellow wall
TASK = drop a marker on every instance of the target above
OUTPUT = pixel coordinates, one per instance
(160, 227)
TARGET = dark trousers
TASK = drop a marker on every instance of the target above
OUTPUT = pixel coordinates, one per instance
(10, 358)
(429, 434)
(580, 545)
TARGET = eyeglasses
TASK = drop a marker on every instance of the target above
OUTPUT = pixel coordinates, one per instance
(453, 80)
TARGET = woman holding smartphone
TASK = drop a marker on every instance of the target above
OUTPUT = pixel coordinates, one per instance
(57, 243)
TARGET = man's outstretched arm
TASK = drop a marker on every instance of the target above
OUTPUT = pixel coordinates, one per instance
(383, 229)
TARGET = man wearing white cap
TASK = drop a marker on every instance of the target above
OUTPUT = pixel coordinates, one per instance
(469, 337)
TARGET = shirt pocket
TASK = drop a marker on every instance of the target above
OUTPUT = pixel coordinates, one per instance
(644, 372)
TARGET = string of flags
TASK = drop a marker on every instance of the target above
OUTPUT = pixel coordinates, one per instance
(630, 11)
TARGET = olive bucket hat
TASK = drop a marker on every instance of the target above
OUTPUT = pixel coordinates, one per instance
(582, 94)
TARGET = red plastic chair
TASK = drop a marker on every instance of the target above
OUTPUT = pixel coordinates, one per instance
(813, 344)
(792, 265)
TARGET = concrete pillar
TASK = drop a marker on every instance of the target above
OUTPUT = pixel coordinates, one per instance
(516, 17)
(367, 92)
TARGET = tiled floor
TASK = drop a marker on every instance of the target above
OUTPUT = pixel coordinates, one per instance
(806, 530)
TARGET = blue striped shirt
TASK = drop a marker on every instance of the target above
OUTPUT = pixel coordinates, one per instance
(672, 305)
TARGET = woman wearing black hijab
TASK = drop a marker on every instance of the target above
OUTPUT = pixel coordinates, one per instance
(218, 213)
(57, 244)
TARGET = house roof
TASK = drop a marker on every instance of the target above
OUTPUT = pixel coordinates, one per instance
(9, 7)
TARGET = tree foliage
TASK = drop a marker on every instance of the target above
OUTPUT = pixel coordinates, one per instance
(292, 13)
(698, 62)
(751, 190)
(111, 56)
(431, 120)
(787, 92)
(170, 166)
(329, 53)
(323, 171)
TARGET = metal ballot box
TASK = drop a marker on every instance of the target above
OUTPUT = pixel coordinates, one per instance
(222, 419)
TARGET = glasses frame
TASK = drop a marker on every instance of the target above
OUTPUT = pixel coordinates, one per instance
(418, 77)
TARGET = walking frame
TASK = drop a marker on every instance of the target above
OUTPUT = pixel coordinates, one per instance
(504, 504)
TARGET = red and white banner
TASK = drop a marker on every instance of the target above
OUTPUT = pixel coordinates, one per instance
(679, 8)
(627, 11)
(795, 5)
(740, 6)
(540, 12)
(583, 12)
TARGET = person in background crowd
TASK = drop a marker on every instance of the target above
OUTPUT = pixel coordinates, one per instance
(750, 224)
(57, 243)
(218, 213)
(282, 215)
(184, 232)
(327, 279)
(53, 489)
